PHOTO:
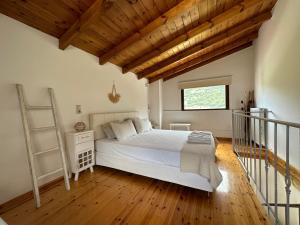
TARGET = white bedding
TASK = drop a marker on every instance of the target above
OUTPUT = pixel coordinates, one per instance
(201, 161)
(155, 154)
(157, 146)
(171, 140)
(114, 148)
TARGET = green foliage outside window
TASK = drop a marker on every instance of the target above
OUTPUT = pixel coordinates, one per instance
(213, 97)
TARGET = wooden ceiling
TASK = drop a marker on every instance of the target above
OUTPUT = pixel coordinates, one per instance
(155, 39)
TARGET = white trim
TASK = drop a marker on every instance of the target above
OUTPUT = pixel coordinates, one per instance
(213, 81)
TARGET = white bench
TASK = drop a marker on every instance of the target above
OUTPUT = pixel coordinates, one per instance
(186, 126)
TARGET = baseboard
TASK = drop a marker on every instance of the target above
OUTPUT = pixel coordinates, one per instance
(13, 203)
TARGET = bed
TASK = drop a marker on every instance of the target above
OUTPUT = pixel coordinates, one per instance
(155, 154)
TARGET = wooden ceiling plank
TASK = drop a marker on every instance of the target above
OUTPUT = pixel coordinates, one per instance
(194, 14)
(83, 22)
(206, 25)
(202, 11)
(208, 61)
(208, 56)
(129, 11)
(233, 31)
(141, 33)
(151, 8)
(32, 19)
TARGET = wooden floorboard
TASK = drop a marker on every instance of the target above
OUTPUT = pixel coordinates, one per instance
(110, 196)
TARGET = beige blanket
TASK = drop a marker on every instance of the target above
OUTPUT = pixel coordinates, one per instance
(200, 159)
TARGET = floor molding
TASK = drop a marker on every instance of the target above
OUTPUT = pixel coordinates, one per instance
(28, 196)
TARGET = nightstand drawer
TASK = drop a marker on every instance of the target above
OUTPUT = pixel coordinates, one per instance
(84, 137)
(83, 146)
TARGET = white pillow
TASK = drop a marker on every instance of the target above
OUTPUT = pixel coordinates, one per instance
(142, 125)
(123, 130)
(133, 119)
(108, 130)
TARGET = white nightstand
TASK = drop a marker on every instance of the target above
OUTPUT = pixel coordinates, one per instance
(186, 126)
(81, 150)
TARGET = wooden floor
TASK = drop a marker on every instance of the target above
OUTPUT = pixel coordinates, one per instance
(113, 197)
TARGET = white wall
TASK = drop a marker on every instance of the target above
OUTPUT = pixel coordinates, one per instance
(155, 103)
(277, 79)
(32, 58)
(277, 71)
(239, 65)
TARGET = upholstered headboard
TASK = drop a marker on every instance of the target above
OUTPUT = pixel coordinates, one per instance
(97, 119)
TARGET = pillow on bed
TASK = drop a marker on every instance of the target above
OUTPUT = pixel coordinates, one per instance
(133, 119)
(123, 129)
(142, 125)
(108, 131)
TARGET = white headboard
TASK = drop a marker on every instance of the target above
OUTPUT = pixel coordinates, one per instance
(97, 119)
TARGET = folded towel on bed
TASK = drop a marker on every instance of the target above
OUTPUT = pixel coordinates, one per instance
(198, 132)
(203, 142)
(200, 137)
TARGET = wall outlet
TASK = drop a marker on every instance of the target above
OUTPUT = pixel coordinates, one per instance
(78, 109)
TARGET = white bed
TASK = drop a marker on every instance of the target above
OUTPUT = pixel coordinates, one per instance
(154, 154)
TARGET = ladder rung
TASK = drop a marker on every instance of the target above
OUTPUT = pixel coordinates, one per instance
(50, 173)
(38, 107)
(43, 128)
(46, 151)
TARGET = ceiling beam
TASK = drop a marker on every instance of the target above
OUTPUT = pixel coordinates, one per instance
(248, 25)
(147, 29)
(98, 7)
(153, 79)
(234, 44)
(208, 24)
(210, 60)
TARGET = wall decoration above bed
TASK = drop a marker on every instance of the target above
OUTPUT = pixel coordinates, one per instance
(114, 97)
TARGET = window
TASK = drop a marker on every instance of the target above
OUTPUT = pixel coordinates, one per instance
(205, 98)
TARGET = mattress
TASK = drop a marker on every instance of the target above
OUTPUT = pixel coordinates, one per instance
(113, 148)
(156, 146)
(154, 154)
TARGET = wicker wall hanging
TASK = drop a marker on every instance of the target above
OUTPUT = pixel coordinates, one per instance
(114, 97)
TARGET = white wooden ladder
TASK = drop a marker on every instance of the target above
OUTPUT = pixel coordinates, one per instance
(28, 131)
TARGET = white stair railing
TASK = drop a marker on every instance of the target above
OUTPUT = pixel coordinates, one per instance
(251, 137)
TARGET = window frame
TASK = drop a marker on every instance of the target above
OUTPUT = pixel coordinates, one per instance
(226, 97)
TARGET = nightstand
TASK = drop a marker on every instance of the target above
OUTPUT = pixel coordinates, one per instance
(81, 151)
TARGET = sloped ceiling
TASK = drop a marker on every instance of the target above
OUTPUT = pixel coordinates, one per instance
(155, 39)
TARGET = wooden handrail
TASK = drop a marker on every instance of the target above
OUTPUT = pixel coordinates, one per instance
(281, 164)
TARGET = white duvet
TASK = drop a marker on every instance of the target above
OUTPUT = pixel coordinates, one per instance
(167, 147)
(159, 139)
(197, 159)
